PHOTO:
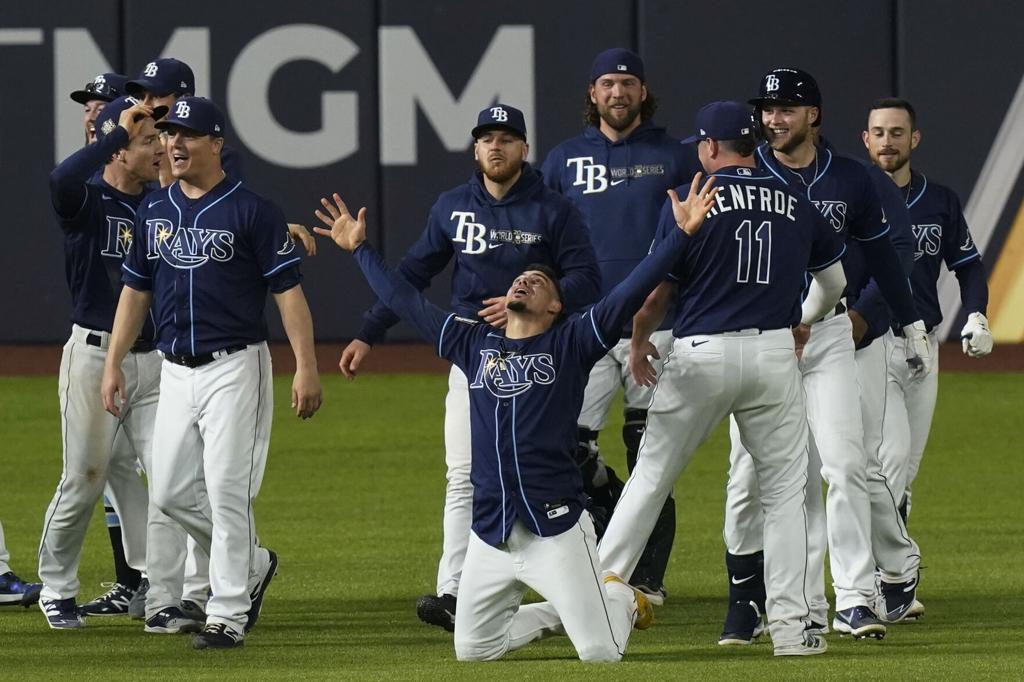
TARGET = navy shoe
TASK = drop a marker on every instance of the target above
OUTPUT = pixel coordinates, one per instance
(31, 595)
(439, 611)
(257, 592)
(898, 600)
(742, 624)
(859, 621)
(193, 610)
(13, 588)
(61, 614)
(171, 621)
(114, 602)
(218, 636)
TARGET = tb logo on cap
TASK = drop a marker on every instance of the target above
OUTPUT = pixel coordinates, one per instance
(499, 114)
(100, 80)
(150, 70)
(182, 109)
(771, 82)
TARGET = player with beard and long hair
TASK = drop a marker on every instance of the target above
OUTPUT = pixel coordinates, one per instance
(616, 171)
(495, 225)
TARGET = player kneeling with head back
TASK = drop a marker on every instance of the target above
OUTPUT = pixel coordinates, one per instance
(526, 387)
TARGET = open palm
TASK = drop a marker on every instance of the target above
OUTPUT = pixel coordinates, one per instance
(690, 212)
(346, 231)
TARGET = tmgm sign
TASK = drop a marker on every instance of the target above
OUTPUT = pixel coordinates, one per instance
(409, 82)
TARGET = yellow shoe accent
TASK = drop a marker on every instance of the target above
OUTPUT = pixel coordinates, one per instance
(644, 610)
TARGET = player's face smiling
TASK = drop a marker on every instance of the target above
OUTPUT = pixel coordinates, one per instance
(533, 292)
(500, 154)
(890, 138)
(191, 154)
(91, 113)
(787, 126)
(618, 98)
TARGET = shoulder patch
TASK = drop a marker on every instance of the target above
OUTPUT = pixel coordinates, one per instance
(466, 320)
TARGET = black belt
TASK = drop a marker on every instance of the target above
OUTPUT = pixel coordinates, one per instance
(193, 361)
(140, 346)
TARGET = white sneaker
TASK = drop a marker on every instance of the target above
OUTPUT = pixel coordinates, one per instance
(811, 646)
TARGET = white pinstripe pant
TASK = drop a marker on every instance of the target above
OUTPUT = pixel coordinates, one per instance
(564, 569)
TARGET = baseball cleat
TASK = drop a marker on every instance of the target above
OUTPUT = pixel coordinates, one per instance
(32, 590)
(859, 621)
(655, 595)
(171, 621)
(816, 628)
(257, 592)
(644, 610)
(218, 636)
(743, 624)
(914, 613)
(114, 602)
(61, 614)
(439, 611)
(137, 606)
(193, 610)
(898, 599)
(811, 646)
(13, 589)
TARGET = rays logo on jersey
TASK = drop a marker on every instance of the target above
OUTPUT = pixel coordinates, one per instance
(119, 237)
(506, 375)
(834, 212)
(929, 240)
(187, 248)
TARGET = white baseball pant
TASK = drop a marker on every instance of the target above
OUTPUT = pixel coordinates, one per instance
(896, 554)
(843, 524)
(611, 372)
(754, 376)
(210, 447)
(489, 621)
(94, 456)
(5, 556)
(904, 439)
(458, 499)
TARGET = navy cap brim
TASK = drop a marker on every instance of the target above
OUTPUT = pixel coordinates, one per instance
(773, 99)
(137, 87)
(693, 138)
(480, 130)
(84, 97)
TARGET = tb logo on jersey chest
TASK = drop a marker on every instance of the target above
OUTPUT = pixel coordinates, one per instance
(591, 175)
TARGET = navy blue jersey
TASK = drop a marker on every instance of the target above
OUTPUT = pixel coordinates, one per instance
(209, 263)
(619, 188)
(97, 222)
(843, 192)
(524, 393)
(941, 235)
(746, 267)
(863, 293)
(493, 241)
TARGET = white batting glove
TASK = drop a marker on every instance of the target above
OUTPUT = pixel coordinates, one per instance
(976, 337)
(919, 355)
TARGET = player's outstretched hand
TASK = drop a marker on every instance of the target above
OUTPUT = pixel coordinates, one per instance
(690, 213)
(302, 235)
(352, 357)
(919, 354)
(112, 390)
(640, 365)
(131, 118)
(346, 231)
(494, 312)
(306, 393)
(976, 337)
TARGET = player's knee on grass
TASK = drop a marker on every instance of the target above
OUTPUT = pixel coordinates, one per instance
(599, 654)
(471, 649)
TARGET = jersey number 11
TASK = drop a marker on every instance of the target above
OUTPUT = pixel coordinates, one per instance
(747, 236)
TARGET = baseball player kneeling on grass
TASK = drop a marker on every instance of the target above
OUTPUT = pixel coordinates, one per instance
(205, 250)
(526, 386)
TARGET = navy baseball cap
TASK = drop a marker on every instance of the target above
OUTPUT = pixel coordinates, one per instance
(195, 113)
(105, 87)
(164, 77)
(106, 122)
(788, 86)
(500, 116)
(724, 120)
(617, 60)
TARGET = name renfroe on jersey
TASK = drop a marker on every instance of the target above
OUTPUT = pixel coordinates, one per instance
(746, 197)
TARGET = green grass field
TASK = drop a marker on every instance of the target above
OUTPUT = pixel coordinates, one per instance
(352, 503)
